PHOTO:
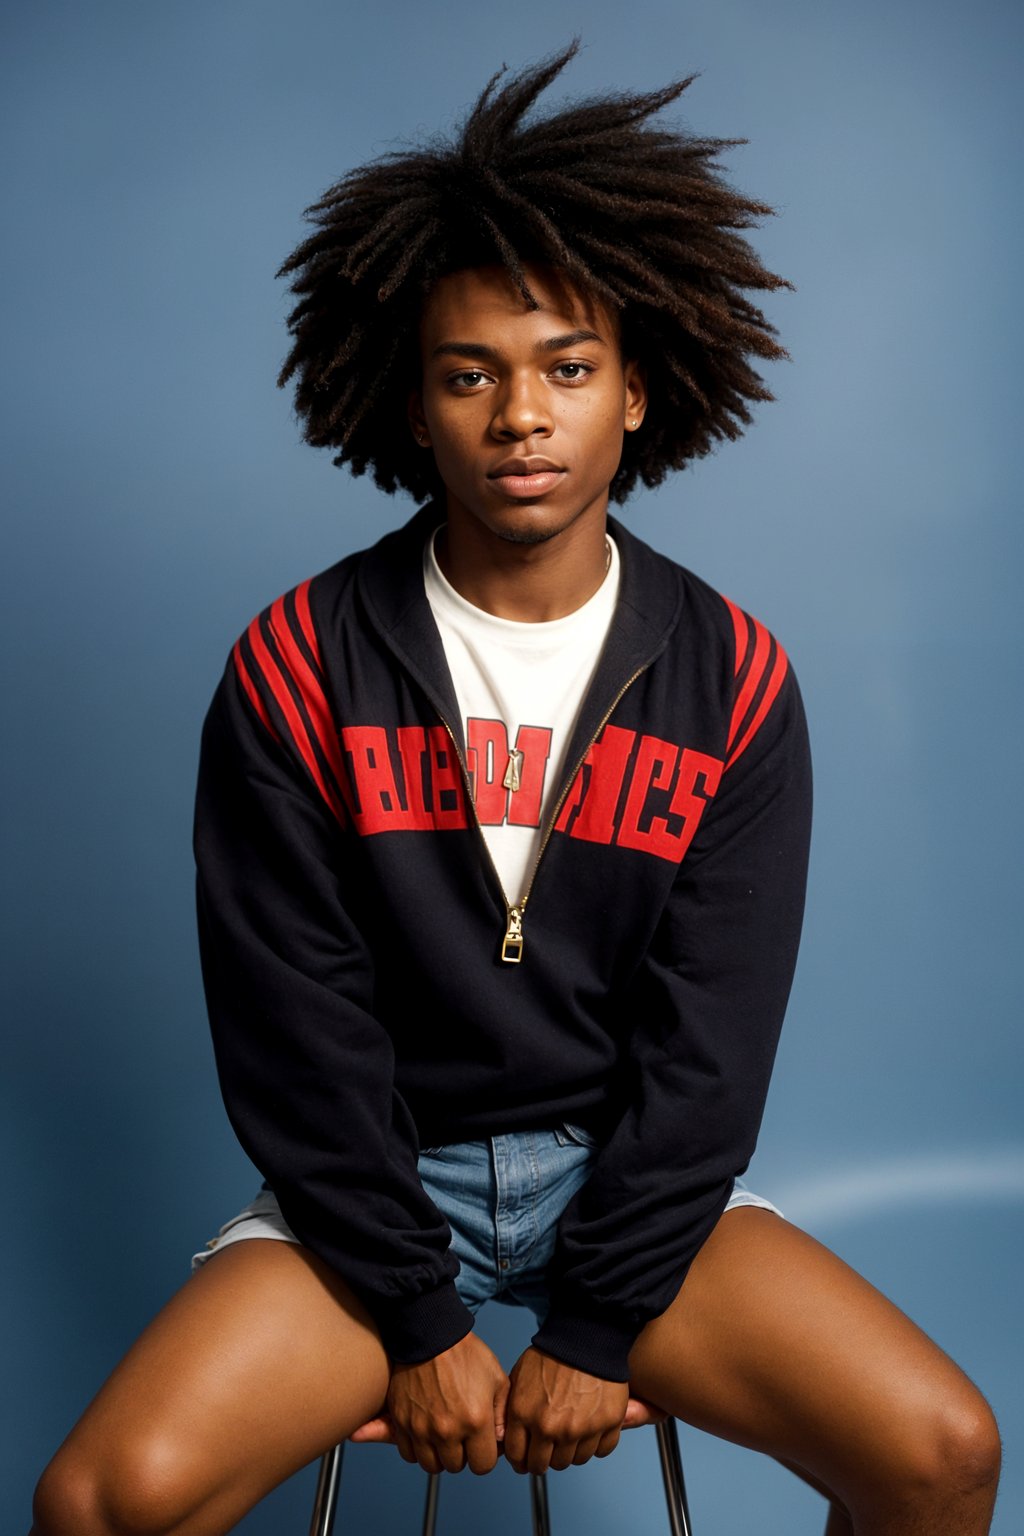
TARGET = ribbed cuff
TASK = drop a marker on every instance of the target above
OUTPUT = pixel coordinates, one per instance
(598, 1345)
(419, 1327)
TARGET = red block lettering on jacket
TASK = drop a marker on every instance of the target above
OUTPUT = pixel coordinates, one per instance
(412, 749)
(590, 808)
(686, 804)
(381, 807)
(653, 769)
(597, 786)
(449, 802)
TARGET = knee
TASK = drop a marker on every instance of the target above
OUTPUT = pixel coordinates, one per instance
(969, 1446)
(953, 1452)
(144, 1491)
(65, 1500)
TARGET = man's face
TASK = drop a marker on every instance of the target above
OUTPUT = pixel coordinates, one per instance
(523, 409)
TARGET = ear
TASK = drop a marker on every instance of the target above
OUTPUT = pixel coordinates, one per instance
(417, 420)
(635, 379)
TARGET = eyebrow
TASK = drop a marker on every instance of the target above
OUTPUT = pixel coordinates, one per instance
(491, 354)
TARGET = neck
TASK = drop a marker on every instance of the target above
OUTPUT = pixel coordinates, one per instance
(530, 583)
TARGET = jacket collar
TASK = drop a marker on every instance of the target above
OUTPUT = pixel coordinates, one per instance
(648, 610)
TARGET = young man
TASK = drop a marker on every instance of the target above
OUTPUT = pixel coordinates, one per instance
(501, 834)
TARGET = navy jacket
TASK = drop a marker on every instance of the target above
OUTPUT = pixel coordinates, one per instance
(372, 989)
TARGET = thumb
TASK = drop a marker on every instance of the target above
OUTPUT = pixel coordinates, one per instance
(639, 1412)
(500, 1406)
(378, 1431)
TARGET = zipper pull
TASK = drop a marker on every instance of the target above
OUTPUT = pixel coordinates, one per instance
(512, 944)
(513, 771)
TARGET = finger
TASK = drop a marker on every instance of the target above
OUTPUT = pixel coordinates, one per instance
(379, 1431)
(404, 1443)
(538, 1454)
(427, 1457)
(640, 1412)
(563, 1455)
(609, 1440)
(501, 1409)
(585, 1450)
(451, 1454)
(482, 1452)
(515, 1445)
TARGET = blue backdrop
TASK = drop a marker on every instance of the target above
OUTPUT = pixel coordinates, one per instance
(156, 161)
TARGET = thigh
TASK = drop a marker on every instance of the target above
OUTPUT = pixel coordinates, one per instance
(775, 1343)
(258, 1364)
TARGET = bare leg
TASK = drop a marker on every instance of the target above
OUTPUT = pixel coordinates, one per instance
(258, 1364)
(838, 1522)
(775, 1343)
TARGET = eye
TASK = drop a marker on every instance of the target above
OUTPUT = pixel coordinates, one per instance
(573, 372)
(469, 378)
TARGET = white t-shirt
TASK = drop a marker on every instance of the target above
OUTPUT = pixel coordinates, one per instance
(519, 688)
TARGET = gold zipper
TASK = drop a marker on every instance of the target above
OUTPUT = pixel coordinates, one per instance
(513, 926)
(514, 772)
(512, 944)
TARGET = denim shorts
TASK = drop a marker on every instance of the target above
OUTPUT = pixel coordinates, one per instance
(502, 1198)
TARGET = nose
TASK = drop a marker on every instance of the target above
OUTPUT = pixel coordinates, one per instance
(522, 409)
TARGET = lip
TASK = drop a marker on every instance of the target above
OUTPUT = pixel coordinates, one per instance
(526, 477)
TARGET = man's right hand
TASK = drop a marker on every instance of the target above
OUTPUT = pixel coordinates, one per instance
(449, 1412)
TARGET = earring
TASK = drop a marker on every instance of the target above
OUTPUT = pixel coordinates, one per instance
(634, 424)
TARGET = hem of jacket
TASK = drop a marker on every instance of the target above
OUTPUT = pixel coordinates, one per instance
(599, 1346)
(416, 1328)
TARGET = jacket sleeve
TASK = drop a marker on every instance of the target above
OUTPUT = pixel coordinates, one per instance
(306, 1070)
(703, 1016)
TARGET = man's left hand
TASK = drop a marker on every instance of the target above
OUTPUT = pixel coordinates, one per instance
(381, 1431)
(558, 1417)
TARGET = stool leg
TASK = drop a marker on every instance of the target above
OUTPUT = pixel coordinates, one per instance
(672, 1472)
(430, 1512)
(325, 1503)
(539, 1505)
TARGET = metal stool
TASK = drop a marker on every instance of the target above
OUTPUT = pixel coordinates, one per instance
(329, 1481)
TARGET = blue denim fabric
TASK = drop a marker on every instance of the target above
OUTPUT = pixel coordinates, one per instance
(503, 1197)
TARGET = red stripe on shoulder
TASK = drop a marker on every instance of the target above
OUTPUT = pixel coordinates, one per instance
(296, 725)
(741, 631)
(309, 686)
(251, 691)
(767, 700)
(306, 620)
(752, 681)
